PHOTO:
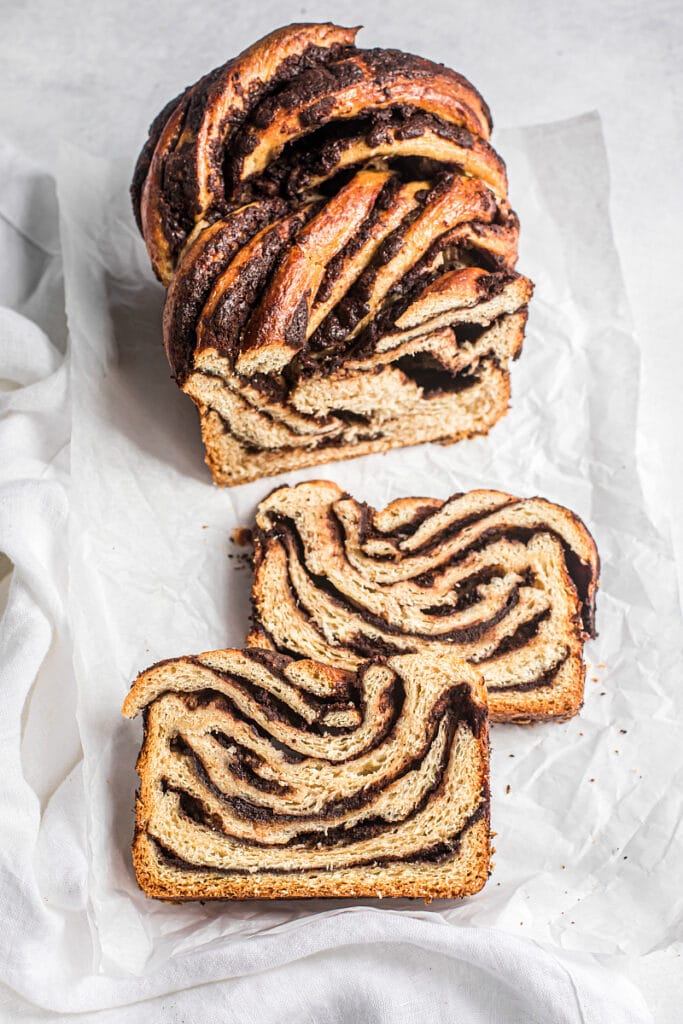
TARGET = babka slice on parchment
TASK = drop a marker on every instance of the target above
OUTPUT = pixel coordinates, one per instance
(507, 584)
(263, 776)
(334, 231)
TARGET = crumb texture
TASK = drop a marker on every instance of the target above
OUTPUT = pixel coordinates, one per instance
(264, 776)
(334, 231)
(507, 584)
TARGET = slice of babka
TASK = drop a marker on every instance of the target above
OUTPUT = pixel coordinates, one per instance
(334, 231)
(262, 776)
(507, 584)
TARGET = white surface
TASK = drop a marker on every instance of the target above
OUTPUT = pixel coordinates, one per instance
(108, 118)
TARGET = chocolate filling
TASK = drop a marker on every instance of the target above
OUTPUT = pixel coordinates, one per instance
(194, 283)
(179, 201)
(434, 854)
(285, 531)
(430, 374)
(456, 705)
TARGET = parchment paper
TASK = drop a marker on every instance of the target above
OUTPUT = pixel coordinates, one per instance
(583, 811)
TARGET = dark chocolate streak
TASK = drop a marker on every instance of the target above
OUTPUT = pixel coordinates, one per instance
(236, 304)
(278, 711)
(580, 573)
(433, 377)
(438, 853)
(328, 441)
(226, 706)
(383, 202)
(547, 679)
(404, 292)
(179, 199)
(244, 763)
(288, 535)
(353, 307)
(193, 285)
(314, 91)
(520, 638)
(335, 835)
(368, 532)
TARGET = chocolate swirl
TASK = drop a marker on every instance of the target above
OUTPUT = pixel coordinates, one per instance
(506, 584)
(266, 776)
(334, 231)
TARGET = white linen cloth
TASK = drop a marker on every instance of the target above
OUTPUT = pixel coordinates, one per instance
(145, 575)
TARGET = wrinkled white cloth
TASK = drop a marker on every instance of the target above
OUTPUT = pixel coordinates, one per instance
(112, 570)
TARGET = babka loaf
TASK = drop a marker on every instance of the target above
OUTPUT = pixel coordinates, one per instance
(507, 584)
(263, 776)
(334, 230)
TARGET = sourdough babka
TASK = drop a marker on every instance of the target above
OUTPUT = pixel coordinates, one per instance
(334, 231)
(507, 584)
(263, 776)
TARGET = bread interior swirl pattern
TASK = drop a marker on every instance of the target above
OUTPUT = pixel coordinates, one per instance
(507, 584)
(265, 776)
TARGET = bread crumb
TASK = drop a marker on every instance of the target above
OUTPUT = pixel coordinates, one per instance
(242, 536)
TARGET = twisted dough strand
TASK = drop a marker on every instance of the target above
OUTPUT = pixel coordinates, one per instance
(334, 230)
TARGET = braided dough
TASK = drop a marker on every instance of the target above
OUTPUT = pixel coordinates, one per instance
(333, 228)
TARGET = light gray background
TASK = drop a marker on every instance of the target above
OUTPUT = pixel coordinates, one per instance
(97, 73)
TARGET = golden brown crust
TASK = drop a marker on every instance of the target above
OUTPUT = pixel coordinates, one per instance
(200, 126)
(232, 91)
(273, 335)
(153, 228)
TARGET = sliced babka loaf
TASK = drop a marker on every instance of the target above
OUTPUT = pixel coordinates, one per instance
(334, 230)
(507, 584)
(263, 776)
